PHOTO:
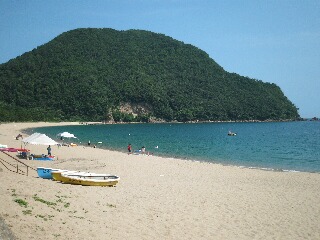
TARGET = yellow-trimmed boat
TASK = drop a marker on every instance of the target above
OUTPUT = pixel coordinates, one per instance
(56, 174)
(86, 179)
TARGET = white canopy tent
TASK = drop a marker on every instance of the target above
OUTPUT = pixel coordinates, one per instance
(39, 139)
(66, 135)
(25, 140)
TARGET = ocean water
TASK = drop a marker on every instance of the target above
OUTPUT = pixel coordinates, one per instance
(278, 146)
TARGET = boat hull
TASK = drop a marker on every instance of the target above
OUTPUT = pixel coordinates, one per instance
(45, 172)
(86, 179)
(56, 174)
(41, 158)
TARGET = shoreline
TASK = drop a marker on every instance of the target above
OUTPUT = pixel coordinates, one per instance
(186, 158)
(156, 198)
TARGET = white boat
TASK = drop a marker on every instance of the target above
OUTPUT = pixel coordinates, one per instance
(86, 179)
(56, 173)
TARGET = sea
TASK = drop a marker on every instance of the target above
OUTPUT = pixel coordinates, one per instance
(274, 146)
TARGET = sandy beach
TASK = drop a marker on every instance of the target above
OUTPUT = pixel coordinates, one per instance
(156, 198)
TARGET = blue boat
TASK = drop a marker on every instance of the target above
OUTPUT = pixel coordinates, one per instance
(45, 172)
(41, 157)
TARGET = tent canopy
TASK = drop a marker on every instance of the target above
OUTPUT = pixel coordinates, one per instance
(39, 139)
(66, 135)
(25, 140)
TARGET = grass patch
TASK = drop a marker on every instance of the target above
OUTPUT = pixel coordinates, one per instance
(111, 205)
(36, 198)
(62, 196)
(13, 193)
(77, 217)
(45, 218)
(42, 216)
(66, 205)
(27, 212)
(21, 202)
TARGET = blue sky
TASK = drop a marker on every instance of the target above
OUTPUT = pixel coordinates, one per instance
(275, 41)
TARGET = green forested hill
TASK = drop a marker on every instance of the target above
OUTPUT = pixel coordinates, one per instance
(91, 74)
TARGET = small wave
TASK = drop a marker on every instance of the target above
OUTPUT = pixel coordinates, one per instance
(285, 170)
(270, 169)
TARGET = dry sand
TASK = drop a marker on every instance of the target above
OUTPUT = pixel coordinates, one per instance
(156, 198)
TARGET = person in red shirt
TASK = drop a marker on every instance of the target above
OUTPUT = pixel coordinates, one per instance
(129, 148)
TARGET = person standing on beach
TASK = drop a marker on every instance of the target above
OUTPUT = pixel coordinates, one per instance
(89, 143)
(19, 136)
(129, 148)
(49, 150)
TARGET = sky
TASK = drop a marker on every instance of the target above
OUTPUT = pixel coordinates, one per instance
(276, 41)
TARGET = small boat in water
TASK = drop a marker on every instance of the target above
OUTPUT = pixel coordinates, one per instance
(232, 133)
(85, 179)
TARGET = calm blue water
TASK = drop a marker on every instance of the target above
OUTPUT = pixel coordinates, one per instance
(277, 146)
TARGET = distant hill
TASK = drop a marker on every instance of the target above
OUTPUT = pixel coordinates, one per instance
(134, 75)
